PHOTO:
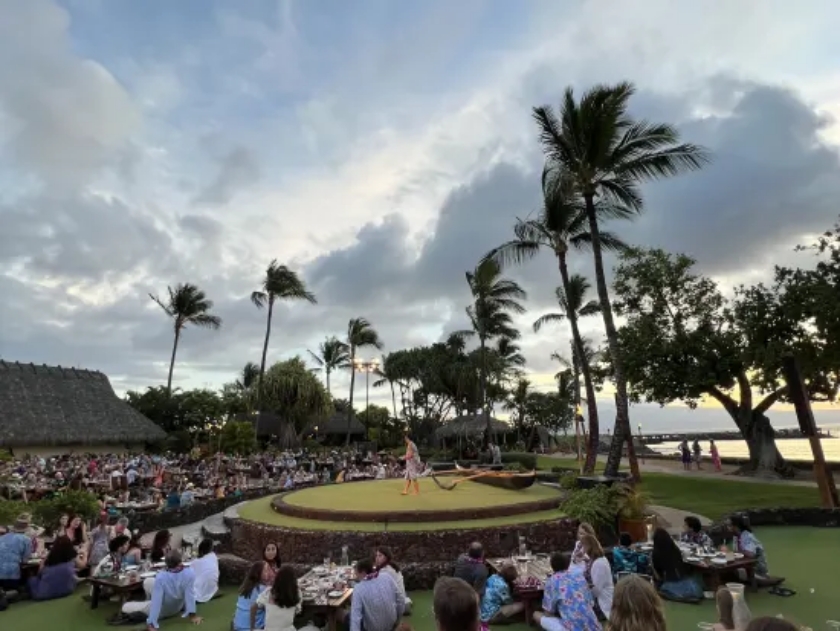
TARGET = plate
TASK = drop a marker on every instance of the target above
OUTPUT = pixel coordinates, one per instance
(335, 594)
(738, 555)
(146, 575)
(693, 559)
(717, 561)
(131, 568)
(159, 565)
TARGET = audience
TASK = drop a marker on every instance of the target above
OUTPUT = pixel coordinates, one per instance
(113, 562)
(377, 604)
(455, 605)
(626, 559)
(636, 606)
(470, 567)
(748, 544)
(281, 602)
(15, 549)
(250, 589)
(771, 624)
(497, 604)
(171, 592)
(567, 602)
(724, 605)
(206, 568)
(675, 581)
(598, 575)
(161, 545)
(271, 564)
(578, 554)
(385, 565)
(56, 577)
(693, 533)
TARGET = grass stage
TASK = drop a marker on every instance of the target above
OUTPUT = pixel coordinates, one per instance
(803, 555)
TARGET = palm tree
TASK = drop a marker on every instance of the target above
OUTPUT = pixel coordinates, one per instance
(574, 306)
(386, 373)
(494, 298)
(360, 334)
(560, 226)
(607, 155)
(279, 283)
(516, 402)
(186, 304)
(333, 354)
(248, 377)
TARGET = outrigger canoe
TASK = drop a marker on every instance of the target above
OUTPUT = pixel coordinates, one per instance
(501, 479)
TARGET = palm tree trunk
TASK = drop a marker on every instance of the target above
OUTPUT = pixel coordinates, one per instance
(394, 400)
(622, 431)
(483, 385)
(580, 351)
(172, 360)
(327, 371)
(352, 387)
(264, 353)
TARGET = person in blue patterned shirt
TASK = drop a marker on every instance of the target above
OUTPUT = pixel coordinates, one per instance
(497, 606)
(567, 600)
(15, 549)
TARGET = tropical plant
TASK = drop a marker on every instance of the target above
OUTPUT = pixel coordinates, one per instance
(386, 373)
(279, 283)
(333, 354)
(596, 506)
(186, 304)
(606, 155)
(360, 334)
(631, 502)
(494, 299)
(248, 377)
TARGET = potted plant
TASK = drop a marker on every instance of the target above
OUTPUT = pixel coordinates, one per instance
(632, 505)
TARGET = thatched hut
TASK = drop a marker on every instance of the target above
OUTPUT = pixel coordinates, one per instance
(471, 426)
(48, 410)
(334, 429)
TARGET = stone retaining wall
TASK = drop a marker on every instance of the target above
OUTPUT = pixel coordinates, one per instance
(815, 517)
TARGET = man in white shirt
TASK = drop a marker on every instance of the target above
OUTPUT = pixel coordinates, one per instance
(206, 568)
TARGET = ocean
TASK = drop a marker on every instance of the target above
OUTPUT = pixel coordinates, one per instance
(790, 448)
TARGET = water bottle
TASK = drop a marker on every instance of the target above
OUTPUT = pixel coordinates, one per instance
(345, 557)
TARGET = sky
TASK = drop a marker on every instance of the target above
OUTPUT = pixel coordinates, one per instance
(380, 148)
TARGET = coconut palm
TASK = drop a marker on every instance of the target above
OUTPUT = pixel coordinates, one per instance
(360, 334)
(248, 377)
(560, 226)
(333, 354)
(279, 283)
(607, 155)
(387, 373)
(574, 306)
(186, 304)
(494, 299)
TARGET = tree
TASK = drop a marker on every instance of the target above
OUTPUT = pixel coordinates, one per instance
(248, 377)
(186, 304)
(517, 402)
(360, 334)
(607, 155)
(561, 226)
(574, 305)
(373, 417)
(279, 283)
(684, 341)
(333, 354)
(386, 374)
(494, 298)
(238, 437)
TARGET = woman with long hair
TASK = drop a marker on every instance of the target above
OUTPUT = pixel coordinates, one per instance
(725, 605)
(598, 575)
(250, 589)
(281, 602)
(385, 565)
(636, 606)
(578, 554)
(748, 544)
(161, 545)
(412, 466)
(271, 563)
(99, 538)
(675, 581)
(57, 576)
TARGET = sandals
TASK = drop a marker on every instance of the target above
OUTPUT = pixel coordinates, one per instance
(781, 591)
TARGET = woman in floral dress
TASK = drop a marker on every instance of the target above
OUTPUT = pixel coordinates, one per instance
(412, 466)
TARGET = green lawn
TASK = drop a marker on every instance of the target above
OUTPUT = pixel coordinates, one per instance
(803, 555)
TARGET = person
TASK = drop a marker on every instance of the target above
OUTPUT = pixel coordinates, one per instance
(578, 553)
(495, 453)
(626, 559)
(134, 556)
(173, 499)
(188, 496)
(470, 567)
(455, 605)
(170, 592)
(250, 589)
(386, 565)
(713, 450)
(15, 549)
(57, 576)
(748, 544)
(497, 605)
(685, 454)
(636, 606)
(693, 533)
(412, 466)
(724, 605)
(567, 602)
(281, 602)
(206, 568)
(598, 574)
(675, 582)
(112, 563)
(160, 545)
(271, 564)
(767, 623)
(377, 603)
(99, 538)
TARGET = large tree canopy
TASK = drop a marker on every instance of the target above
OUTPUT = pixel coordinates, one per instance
(684, 341)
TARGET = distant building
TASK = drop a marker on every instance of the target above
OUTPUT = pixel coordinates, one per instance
(48, 410)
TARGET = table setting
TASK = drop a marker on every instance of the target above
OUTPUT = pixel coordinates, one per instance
(326, 584)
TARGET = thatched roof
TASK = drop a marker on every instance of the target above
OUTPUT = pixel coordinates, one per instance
(48, 405)
(273, 425)
(471, 425)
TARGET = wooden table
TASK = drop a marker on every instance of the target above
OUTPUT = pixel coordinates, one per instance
(712, 572)
(329, 606)
(123, 589)
(537, 568)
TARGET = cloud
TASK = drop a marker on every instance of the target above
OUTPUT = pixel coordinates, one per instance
(237, 169)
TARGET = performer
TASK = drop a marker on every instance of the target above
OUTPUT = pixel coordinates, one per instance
(412, 466)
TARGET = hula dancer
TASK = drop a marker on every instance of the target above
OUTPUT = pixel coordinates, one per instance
(412, 466)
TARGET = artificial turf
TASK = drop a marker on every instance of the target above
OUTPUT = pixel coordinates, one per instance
(803, 555)
(385, 495)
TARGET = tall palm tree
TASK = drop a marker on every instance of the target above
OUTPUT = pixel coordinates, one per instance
(386, 373)
(560, 226)
(186, 304)
(572, 301)
(516, 402)
(494, 299)
(279, 283)
(607, 155)
(360, 334)
(248, 377)
(333, 354)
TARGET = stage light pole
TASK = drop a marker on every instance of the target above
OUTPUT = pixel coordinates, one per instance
(367, 367)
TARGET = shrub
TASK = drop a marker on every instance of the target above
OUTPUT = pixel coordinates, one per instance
(568, 481)
(47, 512)
(596, 506)
(528, 461)
(9, 510)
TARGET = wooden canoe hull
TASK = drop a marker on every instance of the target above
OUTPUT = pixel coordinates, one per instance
(511, 481)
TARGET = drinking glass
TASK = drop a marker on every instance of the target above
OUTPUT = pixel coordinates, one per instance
(705, 626)
(833, 624)
(326, 563)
